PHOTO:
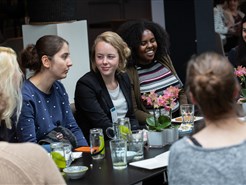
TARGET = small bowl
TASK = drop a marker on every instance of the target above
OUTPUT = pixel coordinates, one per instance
(75, 172)
(130, 155)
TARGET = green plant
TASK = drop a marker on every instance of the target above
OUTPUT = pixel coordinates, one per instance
(167, 101)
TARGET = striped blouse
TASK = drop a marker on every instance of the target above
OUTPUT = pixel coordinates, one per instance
(156, 77)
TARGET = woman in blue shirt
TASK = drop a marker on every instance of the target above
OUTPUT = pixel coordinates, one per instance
(45, 101)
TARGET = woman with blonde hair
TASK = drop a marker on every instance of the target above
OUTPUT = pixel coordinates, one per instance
(107, 87)
(17, 164)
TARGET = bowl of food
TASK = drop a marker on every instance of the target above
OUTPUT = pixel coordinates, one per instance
(75, 172)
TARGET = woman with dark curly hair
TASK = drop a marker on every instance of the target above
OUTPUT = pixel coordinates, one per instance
(150, 67)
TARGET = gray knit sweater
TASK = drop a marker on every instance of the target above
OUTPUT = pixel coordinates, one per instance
(194, 165)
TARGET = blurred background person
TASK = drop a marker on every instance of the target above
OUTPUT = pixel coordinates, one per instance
(233, 17)
(45, 100)
(215, 154)
(237, 55)
(24, 163)
(104, 94)
(219, 20)
(150, 68)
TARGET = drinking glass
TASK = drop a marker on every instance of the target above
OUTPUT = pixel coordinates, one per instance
(136, 144)
(187, 113)
(61, 154)
(118, 150)
(120, 129)
(97, 146)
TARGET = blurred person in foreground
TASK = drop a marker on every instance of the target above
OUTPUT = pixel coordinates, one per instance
(216, 154)
(22, 163)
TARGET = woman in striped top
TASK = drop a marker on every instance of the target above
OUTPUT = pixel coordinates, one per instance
(150, 67)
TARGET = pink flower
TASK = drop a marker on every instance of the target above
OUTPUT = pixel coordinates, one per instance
(240, 72)
(167, 100)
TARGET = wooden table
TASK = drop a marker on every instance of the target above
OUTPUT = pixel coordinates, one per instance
(102, 172)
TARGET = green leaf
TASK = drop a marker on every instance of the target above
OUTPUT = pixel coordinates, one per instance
(165, 121)
(151, 121)
(162, 123)
(243, 92)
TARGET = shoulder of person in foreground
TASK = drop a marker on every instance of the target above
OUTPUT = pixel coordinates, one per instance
(30, 160)
(179, 160)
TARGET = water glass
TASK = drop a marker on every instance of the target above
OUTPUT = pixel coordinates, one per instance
(136, 144)
(113, 132)
(120, 129)
(97, 146)
(61, 154)
(187, 113)
(67, 148)
(118, 150)
(124, 128)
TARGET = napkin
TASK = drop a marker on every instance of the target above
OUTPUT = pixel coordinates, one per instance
(76, 155)
(83, 149)
(158, 161)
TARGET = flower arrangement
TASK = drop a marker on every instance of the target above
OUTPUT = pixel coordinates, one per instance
(240, 72)
(165, 101)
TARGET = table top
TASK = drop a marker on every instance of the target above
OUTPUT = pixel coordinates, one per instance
(102, 172)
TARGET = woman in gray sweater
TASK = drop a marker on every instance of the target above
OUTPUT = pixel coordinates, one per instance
(216, 154)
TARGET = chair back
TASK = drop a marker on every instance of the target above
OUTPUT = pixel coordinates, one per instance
(219, 44)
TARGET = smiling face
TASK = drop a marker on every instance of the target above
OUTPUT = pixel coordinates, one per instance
(147, 48)
(61, 62)
(106, 59)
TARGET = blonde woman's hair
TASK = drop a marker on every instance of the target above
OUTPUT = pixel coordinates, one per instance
(117, 42)
(11, 79)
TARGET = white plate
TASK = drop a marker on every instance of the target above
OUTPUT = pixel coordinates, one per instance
(76, 155)
(197, 118)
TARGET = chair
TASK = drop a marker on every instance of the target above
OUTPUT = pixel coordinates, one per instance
(219, 44)
(15, 43)
(72, 106)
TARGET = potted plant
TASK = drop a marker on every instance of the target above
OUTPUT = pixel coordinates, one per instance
(161, 131)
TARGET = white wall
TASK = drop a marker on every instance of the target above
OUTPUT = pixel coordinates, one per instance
(76, 34)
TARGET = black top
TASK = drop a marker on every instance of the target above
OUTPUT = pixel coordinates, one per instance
(93, 102)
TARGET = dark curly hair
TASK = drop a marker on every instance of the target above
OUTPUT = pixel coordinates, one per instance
(132, 31)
